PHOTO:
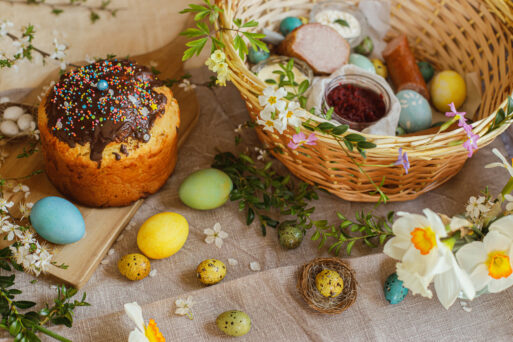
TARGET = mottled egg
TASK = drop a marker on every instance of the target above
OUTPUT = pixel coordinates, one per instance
(257, 56)
(13, 113)
(416, 112)
(57, 220)
(329, 283)
(394, 289)
(381, 68)
(211, 271)
(427, 70)
(362, 62)
(447, 87)
(206, 189)
(162, 235)
(234, 323)
(134, 266)
(290, 236)
(289, 24)
(365, 47)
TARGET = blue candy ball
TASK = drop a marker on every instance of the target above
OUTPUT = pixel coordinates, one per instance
(57, 220)
(289, 24)
(102, 85)
(416, 112)
(394, 289)
(257, 56)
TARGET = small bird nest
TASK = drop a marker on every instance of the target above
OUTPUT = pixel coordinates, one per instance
(314, 299)
(28, 110)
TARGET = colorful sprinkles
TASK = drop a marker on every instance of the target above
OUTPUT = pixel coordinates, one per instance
(109, 100)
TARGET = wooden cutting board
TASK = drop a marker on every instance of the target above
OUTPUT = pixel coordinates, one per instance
(102, 225)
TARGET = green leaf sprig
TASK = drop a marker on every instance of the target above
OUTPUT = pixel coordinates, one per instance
(286, 79)
(502, 116)
(205, 17)
(23, 326)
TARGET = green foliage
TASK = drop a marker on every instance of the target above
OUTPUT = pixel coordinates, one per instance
(287, 79)
(205, 17)
(23, 326)
(502, 116)
(342, 22)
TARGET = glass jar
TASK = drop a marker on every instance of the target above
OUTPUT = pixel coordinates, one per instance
(273, 62)
(337, 6)
(361, 81)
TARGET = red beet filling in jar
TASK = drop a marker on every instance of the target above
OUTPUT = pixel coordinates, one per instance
(356, 104)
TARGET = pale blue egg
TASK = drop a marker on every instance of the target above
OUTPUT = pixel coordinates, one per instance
(57, 220)
(362, 62)
(257, 56)
(416, 112)
(395, 292)
(289, 24)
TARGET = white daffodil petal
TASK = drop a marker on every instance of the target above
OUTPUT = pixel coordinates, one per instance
(499, 285)
(134, 312)
(503, 225)
(435, 223)
(406, 223)
(137, 336)
(471, 255)
(413, 281)
(396, 247)
(496, 241)
(447, 288)
(480, 277)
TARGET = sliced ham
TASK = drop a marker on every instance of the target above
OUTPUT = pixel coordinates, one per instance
(403, 68)
(320, 46)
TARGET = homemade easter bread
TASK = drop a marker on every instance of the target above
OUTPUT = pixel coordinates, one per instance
(109, 133)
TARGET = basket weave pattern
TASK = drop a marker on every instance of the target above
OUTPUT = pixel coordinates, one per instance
(462, 35)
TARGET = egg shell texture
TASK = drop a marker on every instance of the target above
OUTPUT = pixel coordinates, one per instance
(206, 189)
(416, 114)
(234, 323)
(395, 292)
(211, 271)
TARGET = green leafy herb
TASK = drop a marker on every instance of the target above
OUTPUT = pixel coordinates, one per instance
(342, 22)
(502, 116)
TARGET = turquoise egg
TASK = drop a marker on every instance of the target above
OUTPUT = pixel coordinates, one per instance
(57, 220)
(362, 62)
(394, 289)
(289, 24)
(416, 112)
(427, 70)
(257, 56)
(206, 189)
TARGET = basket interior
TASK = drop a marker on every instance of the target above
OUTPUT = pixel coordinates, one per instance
(461, 35)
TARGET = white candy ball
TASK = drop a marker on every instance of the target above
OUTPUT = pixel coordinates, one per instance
(13, 113)
(24, 122)
(9, 128)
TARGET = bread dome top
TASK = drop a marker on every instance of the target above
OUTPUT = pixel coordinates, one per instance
(106, 101)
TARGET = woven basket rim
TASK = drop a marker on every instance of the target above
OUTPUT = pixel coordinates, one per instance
(479, 127)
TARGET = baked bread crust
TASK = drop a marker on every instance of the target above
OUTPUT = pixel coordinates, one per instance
(119, 179)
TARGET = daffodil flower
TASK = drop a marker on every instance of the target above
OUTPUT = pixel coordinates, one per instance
(424, 258)
(142, 333)
(490, 262)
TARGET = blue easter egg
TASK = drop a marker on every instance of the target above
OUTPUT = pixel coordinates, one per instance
(362, 62)
(102, 85)
(289, 24)
(57, 220)
(415, 111)
(394, 289)
(257, 56)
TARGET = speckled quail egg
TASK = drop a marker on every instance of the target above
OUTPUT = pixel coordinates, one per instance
(329, 283)
(134, 266)
(290, 236)
(234, 323)
(211, 271)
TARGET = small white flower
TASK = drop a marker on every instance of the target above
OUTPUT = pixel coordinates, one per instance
(4, 27)
(218, 56)
(187, 85)
(272, 99)
(238, 129)
(232, 262)
(262, 154)
(254, 266)
(105, 261)
(25, 208)
(215, 235)
(292, 115)
(153, 273)
(5, 205)
(19, 253)
(22, 44)
(89, 59)
(27, 238)
(509, 205)
(11, 229)
(476, 207)
(111, 251)
(184, 307)
(22, 188)
(270, 124)
(58, 50)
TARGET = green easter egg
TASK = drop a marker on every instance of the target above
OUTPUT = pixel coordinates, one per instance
(206, 189)
(427, 71)
(366, 47)
(234, 323)
(290, 236)
(362, 62)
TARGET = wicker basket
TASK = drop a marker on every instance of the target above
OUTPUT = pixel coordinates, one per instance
(312, 297)
(463, 35)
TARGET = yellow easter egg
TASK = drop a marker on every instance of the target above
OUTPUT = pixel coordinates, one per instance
(211, 271)
(447, 87)
(162, 235)
(134, 266)
(329, 283)
(380, 67)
